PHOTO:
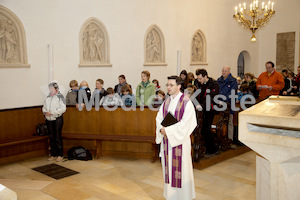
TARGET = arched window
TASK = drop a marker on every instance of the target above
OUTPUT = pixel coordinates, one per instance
(243, 64)
(94, 44)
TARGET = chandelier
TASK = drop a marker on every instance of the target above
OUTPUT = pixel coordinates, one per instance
(255, 17)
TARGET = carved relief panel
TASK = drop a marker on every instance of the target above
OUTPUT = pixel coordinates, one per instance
(13, 51)
(285, 51)
(94, 44)
(198, 49)
(154, 47)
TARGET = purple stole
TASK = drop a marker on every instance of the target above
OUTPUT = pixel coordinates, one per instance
(176, 151)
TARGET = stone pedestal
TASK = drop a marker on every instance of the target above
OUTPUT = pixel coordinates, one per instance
(272, 129)
(7, 194)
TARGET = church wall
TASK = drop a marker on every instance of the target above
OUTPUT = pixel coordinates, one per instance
(286, 19)
(58, 23)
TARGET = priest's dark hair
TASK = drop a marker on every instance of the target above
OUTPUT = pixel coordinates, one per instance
(178, 80)
(203, 72)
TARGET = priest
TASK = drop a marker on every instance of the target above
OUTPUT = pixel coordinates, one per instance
(175, 151)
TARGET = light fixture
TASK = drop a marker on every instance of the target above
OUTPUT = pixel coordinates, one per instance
(254, 18)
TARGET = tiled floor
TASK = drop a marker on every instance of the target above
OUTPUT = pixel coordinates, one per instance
(119, 179)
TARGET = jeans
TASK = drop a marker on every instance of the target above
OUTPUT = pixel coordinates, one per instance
(54, 129)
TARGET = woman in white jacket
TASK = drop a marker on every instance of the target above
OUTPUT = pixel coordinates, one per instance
(53, 109)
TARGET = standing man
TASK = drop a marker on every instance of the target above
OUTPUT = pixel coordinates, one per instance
(269, 82)
(175, 151)
(228, 83)
(209, 87)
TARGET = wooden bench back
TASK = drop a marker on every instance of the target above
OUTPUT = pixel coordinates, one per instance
(18, 124)
(118, 122)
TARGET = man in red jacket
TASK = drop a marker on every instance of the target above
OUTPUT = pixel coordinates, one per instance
(269, 82)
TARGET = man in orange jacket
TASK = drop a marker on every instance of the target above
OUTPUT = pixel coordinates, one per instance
(269, 82)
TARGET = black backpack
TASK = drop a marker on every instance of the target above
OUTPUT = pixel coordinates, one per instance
(79, 153)
(41, 129)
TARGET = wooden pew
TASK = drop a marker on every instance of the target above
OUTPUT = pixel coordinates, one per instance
(111, 133)
(118, 133)
(17, 127)
(220, 130)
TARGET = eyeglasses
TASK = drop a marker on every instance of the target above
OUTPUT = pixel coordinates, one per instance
(171, 85)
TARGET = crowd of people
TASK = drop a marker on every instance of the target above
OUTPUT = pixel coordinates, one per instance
(146, 93)
(187, 96)
(149, 93)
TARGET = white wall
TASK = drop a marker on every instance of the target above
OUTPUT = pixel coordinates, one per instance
(286, 19)
(58, 22)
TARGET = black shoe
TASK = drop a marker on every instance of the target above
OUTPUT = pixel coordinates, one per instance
(211, 154)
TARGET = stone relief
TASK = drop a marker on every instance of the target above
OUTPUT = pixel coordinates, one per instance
(94, 44)
(198, 51)
(285, 51)
(153, 50)
(197, 54)
(12, 40)
(154, 46)
(9, 47)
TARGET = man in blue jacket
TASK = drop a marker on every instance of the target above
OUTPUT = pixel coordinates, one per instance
(227, 83)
